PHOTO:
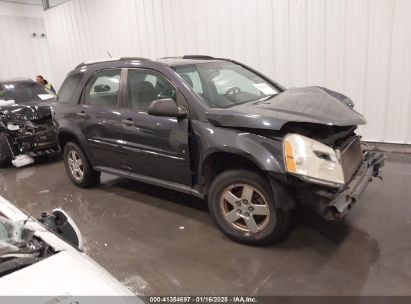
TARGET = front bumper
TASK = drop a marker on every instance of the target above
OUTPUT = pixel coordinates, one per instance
(39, 144)
(334, 206)
(42, 144)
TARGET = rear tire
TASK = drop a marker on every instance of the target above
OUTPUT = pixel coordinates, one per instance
(241, 203)
(78, 166)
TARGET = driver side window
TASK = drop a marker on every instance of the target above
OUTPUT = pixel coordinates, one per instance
(144, 86)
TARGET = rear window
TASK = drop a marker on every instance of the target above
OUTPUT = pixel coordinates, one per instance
(67, 89)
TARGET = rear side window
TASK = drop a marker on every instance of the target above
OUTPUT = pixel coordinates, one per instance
(103, 88)
(67, 89)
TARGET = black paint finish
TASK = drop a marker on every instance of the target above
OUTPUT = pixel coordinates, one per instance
(176, 152)
(311, 104)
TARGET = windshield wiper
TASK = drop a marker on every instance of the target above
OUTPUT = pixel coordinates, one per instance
(265, 98)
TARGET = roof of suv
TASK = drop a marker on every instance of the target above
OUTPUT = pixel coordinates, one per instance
(170, 61)
(175, 61)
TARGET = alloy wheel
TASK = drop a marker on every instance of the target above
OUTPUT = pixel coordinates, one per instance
(75, 165)
(245, 208)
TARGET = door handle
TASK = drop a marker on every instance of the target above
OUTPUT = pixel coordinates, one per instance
(81, 114)
(128, 121)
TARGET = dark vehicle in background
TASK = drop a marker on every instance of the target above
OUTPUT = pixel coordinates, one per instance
(219, 130)
(26, 128)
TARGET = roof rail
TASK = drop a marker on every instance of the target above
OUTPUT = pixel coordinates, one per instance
(111, 59)
(197, 57)
(170, 57)
(134, 58)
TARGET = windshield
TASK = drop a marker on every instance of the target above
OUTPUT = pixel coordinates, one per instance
(225, 84)
(24, 92)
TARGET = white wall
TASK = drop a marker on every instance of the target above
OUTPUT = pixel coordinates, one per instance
(361, 48)
(22, 55)
(21, 10)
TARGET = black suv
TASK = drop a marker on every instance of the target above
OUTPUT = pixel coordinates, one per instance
(26, 128)
(219, 130)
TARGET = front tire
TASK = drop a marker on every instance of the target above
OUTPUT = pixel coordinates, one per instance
(78, 166)
(242, 205)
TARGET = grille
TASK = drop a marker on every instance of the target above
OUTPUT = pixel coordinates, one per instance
(351, 158)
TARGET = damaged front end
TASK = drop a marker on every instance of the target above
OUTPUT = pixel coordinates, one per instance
(326, 165)
(25, 137)
(330, 172)
(334, 203)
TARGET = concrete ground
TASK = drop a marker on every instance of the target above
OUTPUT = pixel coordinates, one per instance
(159, 242)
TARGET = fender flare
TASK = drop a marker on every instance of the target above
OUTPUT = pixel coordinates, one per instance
(283, 198)
(81, 140)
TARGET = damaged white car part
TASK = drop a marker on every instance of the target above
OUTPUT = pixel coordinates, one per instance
(61, 223)
(45, 258)
(22, 160)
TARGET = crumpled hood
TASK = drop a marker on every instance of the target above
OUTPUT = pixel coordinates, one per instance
(28, 111)
(309, 104)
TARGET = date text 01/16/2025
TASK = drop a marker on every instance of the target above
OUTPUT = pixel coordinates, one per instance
(202, 299)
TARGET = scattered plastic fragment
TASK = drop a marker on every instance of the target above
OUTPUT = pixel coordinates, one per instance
(7, 103)
(43, 191)
(22, 160)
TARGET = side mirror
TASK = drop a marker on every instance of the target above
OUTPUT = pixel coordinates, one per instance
(101, 88)
(166, 107)
(63, 225)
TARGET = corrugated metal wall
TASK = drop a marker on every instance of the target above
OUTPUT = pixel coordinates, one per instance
(361, 48)
(21, 55)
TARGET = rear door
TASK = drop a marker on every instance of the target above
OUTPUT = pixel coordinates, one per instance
(155, 146)
(100, 118)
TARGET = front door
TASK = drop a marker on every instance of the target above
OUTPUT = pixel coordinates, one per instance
(155, 146)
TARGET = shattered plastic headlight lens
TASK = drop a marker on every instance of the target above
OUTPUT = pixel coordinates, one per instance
(312, 160)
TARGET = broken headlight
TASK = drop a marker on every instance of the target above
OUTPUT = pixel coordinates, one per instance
(23, 127)
(12, 126)
(312, 160)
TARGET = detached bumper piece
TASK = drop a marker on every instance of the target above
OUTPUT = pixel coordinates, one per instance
(334, 207)
(22, 160)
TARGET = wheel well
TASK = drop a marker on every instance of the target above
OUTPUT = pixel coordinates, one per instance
(64, 138)
(222, 161)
